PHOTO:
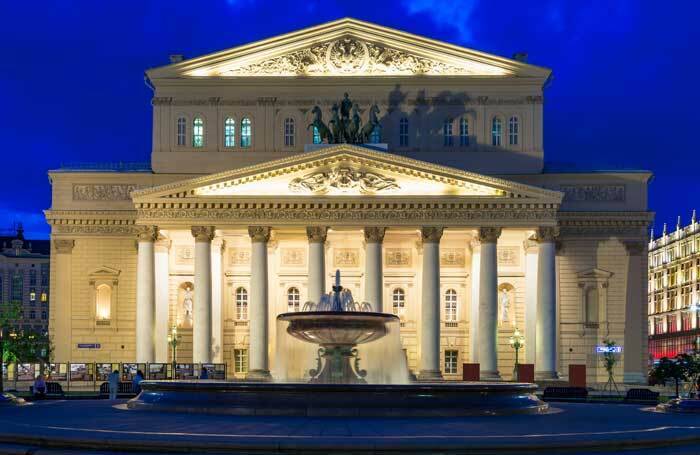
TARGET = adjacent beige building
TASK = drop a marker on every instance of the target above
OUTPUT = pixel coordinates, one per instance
(447, 219)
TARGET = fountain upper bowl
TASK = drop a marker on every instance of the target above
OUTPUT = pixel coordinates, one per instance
(337, 327)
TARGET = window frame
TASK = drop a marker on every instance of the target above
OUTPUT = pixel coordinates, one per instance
(246, 139)
(293, 299)
(241, 300)
(403, 132)
(451, 361)
(448, 132)
(451, 305)
(464, 131)
(198, 132)
(229, 132)
(240, 360)
(181, 131)
(496, 133)
(289, 132)
(514, 131)
(398, 305)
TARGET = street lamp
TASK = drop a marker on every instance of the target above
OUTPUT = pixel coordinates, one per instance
(173, 340)
(516, 341)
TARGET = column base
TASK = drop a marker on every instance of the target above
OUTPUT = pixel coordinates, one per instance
(633, 377)
(429, 376)
(489, 375)
(259, 376)
(546, 375)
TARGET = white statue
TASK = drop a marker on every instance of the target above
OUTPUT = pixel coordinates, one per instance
(187, 306)
(505, 307)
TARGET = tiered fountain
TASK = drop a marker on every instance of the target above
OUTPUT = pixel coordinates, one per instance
(339, 358)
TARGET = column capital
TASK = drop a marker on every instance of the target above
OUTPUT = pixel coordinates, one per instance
(431, 234)
(635, 247)
(203, 233)
(64, 246)
(147, 234)
(260, 234)
(530, 245)
(547, 233)
(489, 234)
(374, 234)
(316, 234)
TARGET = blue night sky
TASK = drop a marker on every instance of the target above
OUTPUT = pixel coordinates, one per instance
(624, 93)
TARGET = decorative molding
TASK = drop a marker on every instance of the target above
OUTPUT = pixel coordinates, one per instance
(103, 191)
(593, 193)
(398, 257)
(161, 100)
(121, 230)
(489, 234)
(508, 256)
(632, 225)
(547, 234)
(203, 233)
(537, 99)
(147, 233)
(259, 234)
(452, 257)
(346, 257)
(431, 234)
(293, 257)
(374, 234)
(238, 256)
(316, 234)
(64, 246)
(343, 179)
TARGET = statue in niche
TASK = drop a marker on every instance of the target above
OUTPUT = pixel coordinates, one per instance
(505, 314)
(187, 308)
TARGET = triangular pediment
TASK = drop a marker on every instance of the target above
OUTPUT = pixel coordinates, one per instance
(348, 47)
(594, 274)
(347, 171)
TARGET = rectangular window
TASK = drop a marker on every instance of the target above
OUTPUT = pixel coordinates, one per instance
(44, 315)
(289, 132)
(44, 297)
(181, 129)
(44, 275)
(671, 323)
(32, 314)
(32, 295)
(403, 132)
(17, 286)
(448, 140)
(451, 361)
(32, 278)
(686, 321)
(240, 361)
(464, 133)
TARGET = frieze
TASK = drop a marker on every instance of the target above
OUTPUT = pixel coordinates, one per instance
(593, 193)
(103, 192)
(108, 229)
(346, 257)
(343, 179)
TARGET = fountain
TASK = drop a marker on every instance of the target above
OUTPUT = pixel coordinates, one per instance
(338, 357)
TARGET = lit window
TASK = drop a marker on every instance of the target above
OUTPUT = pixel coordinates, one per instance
(293, 299)
(398, 302)
(447, 138)
(317, 136)
(44, 297)
(513, 131)
(463, 132)
(103, 308)
(496, 132)
(289, 132)
(32, 295)
(403, 132)
(451, 361)
(246, 127)
(198, 132)
(229, 132)
(241, 304)
(181, 130)
(376, 136)
(450, 305)
(240, 361)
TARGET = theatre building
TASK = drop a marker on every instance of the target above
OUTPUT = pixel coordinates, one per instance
(444, 214)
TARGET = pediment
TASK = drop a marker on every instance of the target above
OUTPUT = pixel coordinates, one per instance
(346, 171)
(104, 272)
(348, 47)
(594, 274)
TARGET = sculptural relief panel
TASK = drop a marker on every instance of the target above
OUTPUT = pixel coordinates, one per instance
(293, 257)
(509, 256)
(184, 255)
(397, 257)
(452, 257)
(346, 257)
(238, 256)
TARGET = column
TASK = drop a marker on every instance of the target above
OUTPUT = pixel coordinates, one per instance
(530, 247)
(201, 313)
(259, 368)
(546, 329)
(162, 275)
(430, 306)
(61, 297)
(145, 296)
(317, 262)
(474, 307)
(217, 336)
(635, 314)
(488, 303)
(374, 275)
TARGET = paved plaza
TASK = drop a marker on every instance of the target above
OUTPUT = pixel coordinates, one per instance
(102, 425)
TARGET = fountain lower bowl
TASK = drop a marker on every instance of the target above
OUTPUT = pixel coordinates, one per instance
(340, 400)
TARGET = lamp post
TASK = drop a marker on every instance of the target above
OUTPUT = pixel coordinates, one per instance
(173, 340)
(516, 341)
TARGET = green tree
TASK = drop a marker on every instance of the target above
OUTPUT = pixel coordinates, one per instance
(9, 315)
(669, 369)
(690, 363)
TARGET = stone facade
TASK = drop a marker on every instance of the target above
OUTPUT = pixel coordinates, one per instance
(449, 231)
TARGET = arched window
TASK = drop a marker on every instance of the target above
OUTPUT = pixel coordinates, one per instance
(398, 302)
(592, 306)
(447, 138)
(496, 132)
(463, 132)
(293, 299)
(241, 304)
(181, 131)
(289, 132)
(403, 132)
(198, 132)
(246, 128)
(450, 305)
(103, 302)
(376, 136)
(229, 132)
(317, 136)
(513, 131)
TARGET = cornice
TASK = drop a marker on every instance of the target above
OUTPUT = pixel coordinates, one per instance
(632, 225)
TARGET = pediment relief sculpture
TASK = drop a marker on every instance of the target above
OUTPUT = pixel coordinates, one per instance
(348, 56)
(343, 180)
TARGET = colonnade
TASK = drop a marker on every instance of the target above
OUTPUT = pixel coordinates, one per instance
(429, 364)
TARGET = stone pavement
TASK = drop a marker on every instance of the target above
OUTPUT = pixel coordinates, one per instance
(98, 425)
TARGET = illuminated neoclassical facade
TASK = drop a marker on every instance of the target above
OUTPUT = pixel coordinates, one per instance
(447, 219)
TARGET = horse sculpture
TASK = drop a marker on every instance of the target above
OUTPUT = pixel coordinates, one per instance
(354, 125)
(368, 128)
(323, 131)
(337, 127)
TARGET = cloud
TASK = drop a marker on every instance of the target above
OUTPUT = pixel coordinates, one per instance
(445, 13)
